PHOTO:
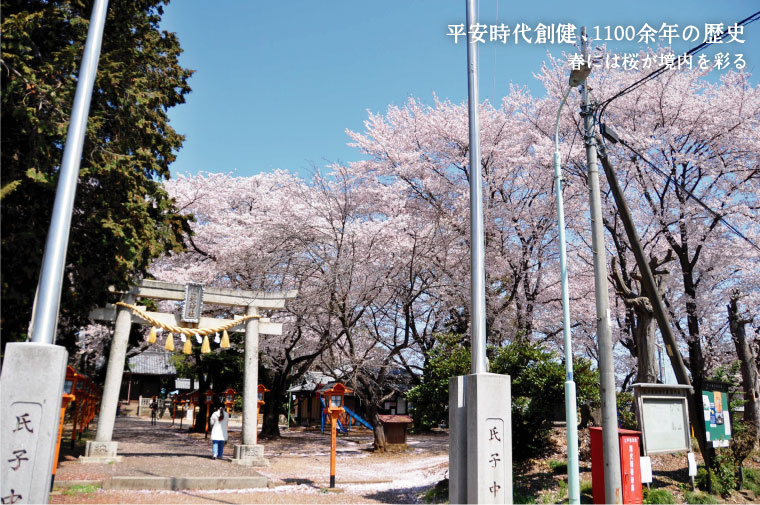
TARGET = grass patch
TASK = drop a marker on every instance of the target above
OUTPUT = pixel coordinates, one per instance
(752, 480)
(558, 466)
(438, 493)
(522, 495)
(77, 489)
(559, 495)
(658, 496)
(587, 492)
(699, 497)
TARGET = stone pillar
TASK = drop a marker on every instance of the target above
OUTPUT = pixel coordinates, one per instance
(31, 383)
(250, 453)
(103, 449)
(480, 451)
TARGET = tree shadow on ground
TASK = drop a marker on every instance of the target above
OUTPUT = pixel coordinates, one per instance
(400, 495)
(204, 497)
(297, 482)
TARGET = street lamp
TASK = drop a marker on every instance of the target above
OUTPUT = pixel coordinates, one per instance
(577, 76)
(334, 408)
(229, 398)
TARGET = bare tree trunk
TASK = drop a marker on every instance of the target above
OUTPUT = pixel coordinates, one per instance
(645, 335)
(379, 430)
(644, 324)
(270, 426)
(750, 376)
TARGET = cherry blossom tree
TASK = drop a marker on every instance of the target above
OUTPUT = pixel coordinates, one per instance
(701, 140)
(379, 248)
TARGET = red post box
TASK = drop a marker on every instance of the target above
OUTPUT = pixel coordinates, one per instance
(630, 465)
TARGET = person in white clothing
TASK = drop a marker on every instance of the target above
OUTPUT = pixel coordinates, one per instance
(218, 423)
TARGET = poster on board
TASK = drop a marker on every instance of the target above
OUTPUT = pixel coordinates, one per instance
(716, 414)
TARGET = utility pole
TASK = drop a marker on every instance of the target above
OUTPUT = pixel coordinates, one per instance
(612, 477)
(693, 395)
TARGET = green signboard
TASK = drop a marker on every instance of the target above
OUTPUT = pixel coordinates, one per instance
(716, 416)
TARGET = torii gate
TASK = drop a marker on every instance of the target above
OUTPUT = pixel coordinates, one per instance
(249, 453)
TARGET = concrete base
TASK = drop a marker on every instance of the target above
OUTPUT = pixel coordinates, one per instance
(480, 457)
(177, 483)
(396, 447)
(100, 460)
(100, 452)
(250, 455)
(331, 490)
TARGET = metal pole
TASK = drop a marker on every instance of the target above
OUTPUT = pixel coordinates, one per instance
(647, 279)
(477, 241)
(45, 319)
(612, 478)
(571, 409)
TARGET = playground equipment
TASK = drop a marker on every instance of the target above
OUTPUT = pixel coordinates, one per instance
(348, 416)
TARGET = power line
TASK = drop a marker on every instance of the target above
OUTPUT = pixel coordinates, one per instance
(692, 196)
(725, 33)
(653, 75)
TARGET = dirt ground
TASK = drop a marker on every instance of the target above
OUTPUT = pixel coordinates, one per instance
(298, 471)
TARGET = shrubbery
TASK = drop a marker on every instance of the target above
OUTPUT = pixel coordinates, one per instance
(537, 375)
(658, 496)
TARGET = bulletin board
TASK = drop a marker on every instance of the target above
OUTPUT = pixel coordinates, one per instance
(663, 416)
(717, 418)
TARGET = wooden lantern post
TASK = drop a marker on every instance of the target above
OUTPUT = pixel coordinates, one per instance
(74, 378)
(334, 408)
(195, 400)
(80, 391)
(229, 399)
(90, 392)
(261, 390)
(66, 398)
(209, 398)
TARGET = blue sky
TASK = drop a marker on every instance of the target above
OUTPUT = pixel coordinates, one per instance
(278, 83)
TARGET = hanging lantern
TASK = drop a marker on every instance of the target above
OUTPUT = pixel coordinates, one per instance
(225, 341)
(188, 347)
(205, 347)
(169, 346)
(152, 336)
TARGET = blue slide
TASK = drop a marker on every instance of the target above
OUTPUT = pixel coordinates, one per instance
(340, 428)
(358, 419)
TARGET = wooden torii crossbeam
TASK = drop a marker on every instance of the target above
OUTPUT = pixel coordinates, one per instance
(249, 453)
